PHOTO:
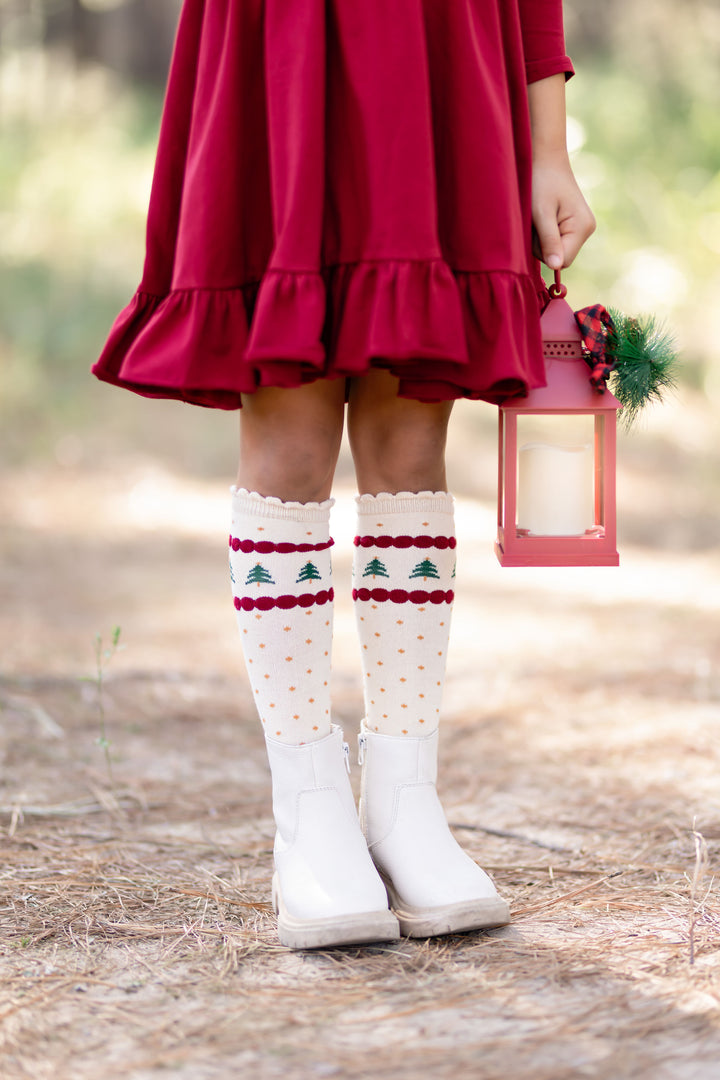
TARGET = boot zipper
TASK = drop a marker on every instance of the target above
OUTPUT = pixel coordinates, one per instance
(346, 753)
(362, 740)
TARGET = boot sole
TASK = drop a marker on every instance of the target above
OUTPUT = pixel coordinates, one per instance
(356, 929)
(418, 922)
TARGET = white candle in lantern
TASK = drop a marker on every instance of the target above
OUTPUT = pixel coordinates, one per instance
(555, 489)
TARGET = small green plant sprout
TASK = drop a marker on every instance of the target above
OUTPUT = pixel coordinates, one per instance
(103, 656)
(696, 884)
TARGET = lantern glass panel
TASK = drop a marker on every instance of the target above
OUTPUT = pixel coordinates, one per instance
(556, 474)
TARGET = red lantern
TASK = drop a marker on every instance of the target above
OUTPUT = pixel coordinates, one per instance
(556, 454)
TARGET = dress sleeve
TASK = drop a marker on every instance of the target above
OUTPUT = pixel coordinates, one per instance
(544, 39)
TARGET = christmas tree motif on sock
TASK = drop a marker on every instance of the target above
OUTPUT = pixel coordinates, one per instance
(375, 568)
(426, 569)
(259, 576)
(309, 572)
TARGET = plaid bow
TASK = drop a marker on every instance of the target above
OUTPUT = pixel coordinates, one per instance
(598, 334)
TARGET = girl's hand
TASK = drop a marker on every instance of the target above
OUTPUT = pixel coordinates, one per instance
(562, 219)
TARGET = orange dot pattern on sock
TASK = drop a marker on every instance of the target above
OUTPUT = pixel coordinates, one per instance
(284, 638)
(411, 646)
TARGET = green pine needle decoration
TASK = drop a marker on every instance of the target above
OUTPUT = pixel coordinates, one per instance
(645, 362)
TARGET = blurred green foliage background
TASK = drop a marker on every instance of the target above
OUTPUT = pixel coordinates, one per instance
(80, 97)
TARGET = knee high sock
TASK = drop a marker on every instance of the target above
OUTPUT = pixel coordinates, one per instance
(282, 590)
(403, 589)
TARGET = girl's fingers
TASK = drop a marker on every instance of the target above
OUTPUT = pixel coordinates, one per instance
(550, 245)
(575, 230)
(562, 219)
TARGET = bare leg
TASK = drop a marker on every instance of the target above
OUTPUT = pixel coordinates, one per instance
(290, 440)
(397, 444)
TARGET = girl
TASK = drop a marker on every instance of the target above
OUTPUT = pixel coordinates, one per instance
(347, 200)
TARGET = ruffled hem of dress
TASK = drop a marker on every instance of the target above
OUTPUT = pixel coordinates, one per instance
(444, 333)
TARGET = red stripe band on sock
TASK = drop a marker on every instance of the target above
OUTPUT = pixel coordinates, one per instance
(402, 596)
(267, 547)
(267, 603)
(440, 542)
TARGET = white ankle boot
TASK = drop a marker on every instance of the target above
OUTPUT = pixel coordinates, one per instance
(326, 890)
(434, 887)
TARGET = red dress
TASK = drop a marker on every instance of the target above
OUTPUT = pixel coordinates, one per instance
(342, 184)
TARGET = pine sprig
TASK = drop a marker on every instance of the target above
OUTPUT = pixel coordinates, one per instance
(645, 362)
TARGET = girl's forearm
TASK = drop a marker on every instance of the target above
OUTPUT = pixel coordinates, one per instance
(547, 116)
(562, 219)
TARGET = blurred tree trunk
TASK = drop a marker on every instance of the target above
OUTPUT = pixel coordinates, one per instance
(132, 37)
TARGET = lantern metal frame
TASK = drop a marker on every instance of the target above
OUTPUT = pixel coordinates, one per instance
(568, 392)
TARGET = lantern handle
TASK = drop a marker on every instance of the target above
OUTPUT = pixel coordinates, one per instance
(557, 290)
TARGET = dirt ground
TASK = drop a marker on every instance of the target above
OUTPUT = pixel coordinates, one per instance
(580, 765)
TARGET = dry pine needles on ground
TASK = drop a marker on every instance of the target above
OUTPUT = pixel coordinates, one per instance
(136, 936)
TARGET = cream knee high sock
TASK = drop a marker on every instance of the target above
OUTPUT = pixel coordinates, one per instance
(403, 582)
(282, 589)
